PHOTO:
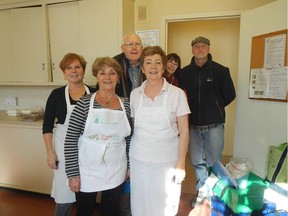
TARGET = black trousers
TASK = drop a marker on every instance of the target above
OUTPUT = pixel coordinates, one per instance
(86, 202)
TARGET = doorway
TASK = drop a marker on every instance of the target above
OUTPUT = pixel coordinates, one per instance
(223, 34)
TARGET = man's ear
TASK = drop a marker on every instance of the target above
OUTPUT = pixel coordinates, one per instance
(122, 48)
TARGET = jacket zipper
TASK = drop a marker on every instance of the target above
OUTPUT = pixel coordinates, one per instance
(199, 96)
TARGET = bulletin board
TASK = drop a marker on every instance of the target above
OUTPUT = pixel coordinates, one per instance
(268, 67)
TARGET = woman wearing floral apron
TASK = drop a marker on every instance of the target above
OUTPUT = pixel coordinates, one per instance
(59, 106)
(95, 144)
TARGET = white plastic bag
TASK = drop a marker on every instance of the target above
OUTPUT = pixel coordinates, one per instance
(239, 167)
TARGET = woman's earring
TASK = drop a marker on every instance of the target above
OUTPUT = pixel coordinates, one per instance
(65, 78)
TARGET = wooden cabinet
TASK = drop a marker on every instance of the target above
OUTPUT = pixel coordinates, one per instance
(5, 46)
(36, 38)
(64, 33)
(101, 31)
(23, 159)
(23, 45)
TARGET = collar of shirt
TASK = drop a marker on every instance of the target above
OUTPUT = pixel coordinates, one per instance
(164, 87)
(136, 66)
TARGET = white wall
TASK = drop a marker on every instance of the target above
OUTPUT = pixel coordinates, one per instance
(157, 9)
(28, 96)
(259, 124)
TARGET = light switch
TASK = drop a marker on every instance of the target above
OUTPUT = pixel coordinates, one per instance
(11, 101)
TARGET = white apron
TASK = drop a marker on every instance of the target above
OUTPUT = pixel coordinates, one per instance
(102, 149)
(153, 138)
(153, 156)
(60, 189)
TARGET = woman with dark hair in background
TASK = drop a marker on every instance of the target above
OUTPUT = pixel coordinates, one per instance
(172, 67)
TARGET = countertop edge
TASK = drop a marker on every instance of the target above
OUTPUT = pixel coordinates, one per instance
(6, 120)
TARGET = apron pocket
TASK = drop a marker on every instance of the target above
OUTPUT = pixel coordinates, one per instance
(95, 155)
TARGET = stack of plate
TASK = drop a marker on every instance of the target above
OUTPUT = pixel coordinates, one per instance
(13, 112)
(33, 114)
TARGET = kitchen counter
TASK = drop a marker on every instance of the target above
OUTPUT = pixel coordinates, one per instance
(5, 119)
(23, 156)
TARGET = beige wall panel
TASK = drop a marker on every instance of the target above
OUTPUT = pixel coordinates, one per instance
(157, 9)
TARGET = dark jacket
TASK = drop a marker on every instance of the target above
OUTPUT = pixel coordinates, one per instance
(209, 89)
(124, 88)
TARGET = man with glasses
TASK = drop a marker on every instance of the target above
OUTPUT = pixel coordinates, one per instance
(209, 90)
(129, 60)
(131, 78)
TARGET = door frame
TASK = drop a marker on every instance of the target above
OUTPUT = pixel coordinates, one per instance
(228, 149)
(192, 17)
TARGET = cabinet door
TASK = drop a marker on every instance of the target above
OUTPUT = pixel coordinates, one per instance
(28, 45)
(5, 46)
(36, 175)
(10, 154)
(64, 34)
(23, 160)
(100, 35)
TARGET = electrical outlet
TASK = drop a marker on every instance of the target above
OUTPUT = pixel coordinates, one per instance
(11, 101)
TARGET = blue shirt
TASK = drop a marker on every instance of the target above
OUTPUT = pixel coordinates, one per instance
(134, 74)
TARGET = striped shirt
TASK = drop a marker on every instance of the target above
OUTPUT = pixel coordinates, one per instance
(76, 128)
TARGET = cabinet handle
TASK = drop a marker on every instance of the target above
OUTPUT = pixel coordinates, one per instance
(53, 66)
(43, 66)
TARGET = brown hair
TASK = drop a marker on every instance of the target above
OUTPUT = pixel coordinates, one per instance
(152, 50)
(175, 57)
(101, 62)
(69, 58)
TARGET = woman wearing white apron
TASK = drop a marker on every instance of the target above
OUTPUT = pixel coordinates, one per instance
(159, 141)
(95, 144)
(59, 106)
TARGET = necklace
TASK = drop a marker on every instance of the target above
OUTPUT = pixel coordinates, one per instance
(108, 102)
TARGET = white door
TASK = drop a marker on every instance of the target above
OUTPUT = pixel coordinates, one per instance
(64, 35)
(24, 45)
(100, 36)
(5, 46)
(29, 45)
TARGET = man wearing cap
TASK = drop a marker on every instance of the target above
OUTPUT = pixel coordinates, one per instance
(209, 89)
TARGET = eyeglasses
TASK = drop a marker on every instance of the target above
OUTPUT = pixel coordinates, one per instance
(175, 64)
(130, 45)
